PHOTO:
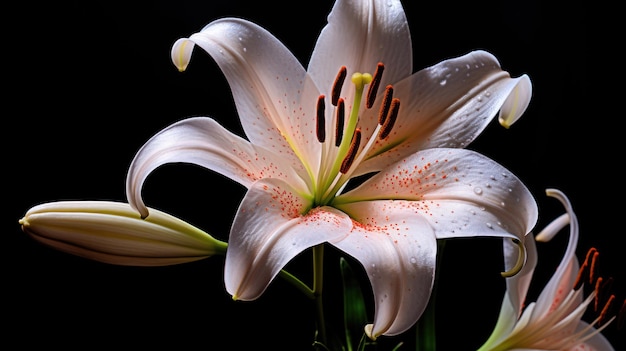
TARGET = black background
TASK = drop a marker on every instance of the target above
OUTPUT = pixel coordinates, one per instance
(89, 82)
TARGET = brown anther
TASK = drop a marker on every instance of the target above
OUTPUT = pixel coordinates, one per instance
(341, 112)
(390, 120)
(336, 90)
(373, 89)
(384, 106)
(593, 267)
(354, 147)
(605, 311)
(320, 127)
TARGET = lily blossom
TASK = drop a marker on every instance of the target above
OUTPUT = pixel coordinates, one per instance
(554, 321)
(112, 232)
(308, 132)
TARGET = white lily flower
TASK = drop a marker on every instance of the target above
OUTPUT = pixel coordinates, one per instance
(308, 132)
(554, 321)
(112, 232)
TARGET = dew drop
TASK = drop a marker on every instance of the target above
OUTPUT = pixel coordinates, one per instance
(413, 260)
(443, 82)
(489, 225)
(478, 191)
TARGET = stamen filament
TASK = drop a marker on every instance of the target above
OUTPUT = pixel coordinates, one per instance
(338, 84)
(373, 89)
(321, 119)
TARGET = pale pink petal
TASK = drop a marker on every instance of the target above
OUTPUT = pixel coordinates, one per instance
(269, 230)
(460, 192)
(359, 34)
(203, 142)
(274, 96)
(398, 251)
(447, 105)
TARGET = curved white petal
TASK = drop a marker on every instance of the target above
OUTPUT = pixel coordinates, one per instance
(269, 230)
(398, 251)
(274, 96)
(359, 34)
(563, 279)
(203, 142)
(448, 105)
(112, 232)
(460, 192)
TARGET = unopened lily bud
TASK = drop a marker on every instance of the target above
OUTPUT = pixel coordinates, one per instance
(112, 232)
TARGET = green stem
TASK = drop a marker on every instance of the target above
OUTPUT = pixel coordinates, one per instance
(425, 328)
(318, 283)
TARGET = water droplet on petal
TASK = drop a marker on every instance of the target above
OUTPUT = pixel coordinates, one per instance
(478, 190)
(413, 260)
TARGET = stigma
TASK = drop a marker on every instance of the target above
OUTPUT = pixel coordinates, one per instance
(345, 147)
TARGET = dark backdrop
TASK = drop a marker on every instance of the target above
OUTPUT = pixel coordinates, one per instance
(90, 82)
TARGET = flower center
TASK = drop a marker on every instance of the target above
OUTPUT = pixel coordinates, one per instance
(341, 156)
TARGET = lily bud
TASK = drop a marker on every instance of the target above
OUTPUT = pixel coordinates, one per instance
(112, 232)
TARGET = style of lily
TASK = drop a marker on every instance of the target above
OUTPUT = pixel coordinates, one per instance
(308, 132)
(554, 321)
(112, 232)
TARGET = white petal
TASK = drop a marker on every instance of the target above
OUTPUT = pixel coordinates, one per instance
(398, 251)
(274, 96)
(461, 192)
(359, 34)
(203, 142)
(113, 232)
(272, 226)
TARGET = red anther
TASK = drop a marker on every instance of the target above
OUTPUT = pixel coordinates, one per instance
(336, 90)
(606, 310)
(582, 272)
(384, 106)
(341, 111)
(584, 268)
(354, 147)
(593, 268)
(390, 120)
(602, 288)
(320, 127)
(373, 89)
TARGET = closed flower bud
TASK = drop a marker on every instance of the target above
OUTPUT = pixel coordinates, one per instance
(112, 232)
